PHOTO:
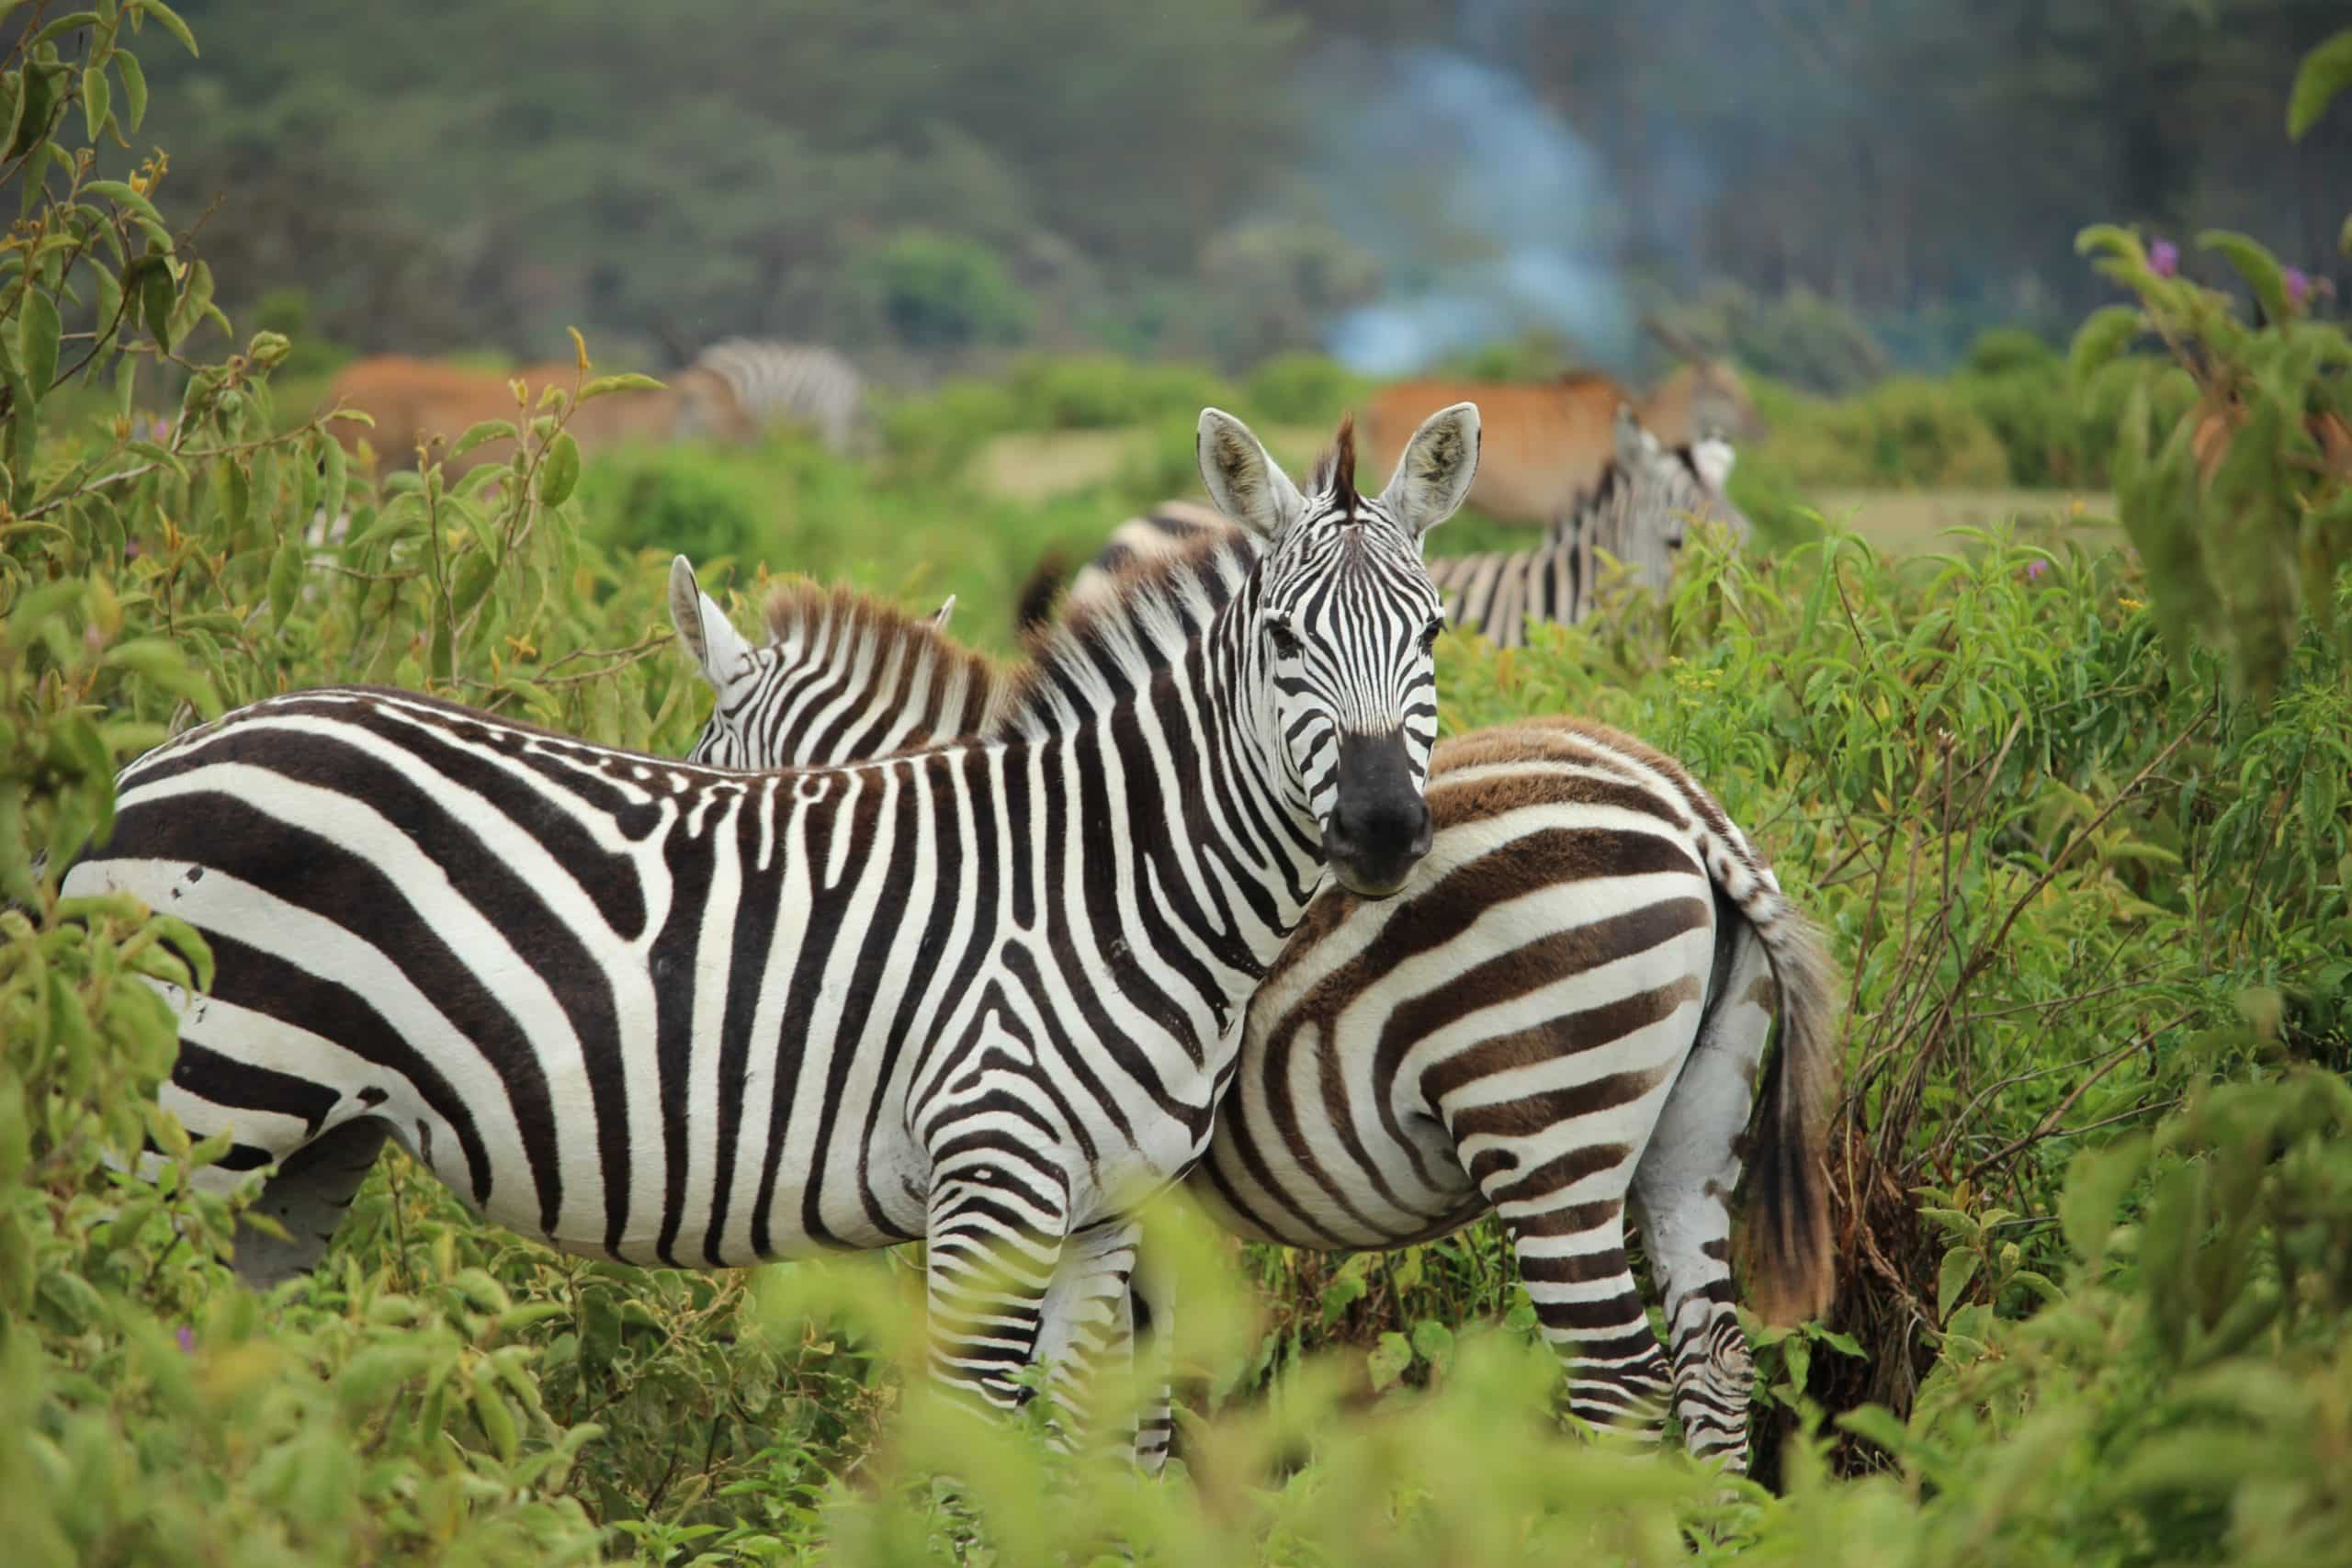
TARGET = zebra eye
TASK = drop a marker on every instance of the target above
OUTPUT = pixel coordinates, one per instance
(1283, 641)
(1429, 633)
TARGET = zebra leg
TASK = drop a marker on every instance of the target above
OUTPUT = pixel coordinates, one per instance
(1682, 1188)
(995, 1232)
(1572, 1260)
(1086, 1330)
(308, 1196)
(1152, 1309)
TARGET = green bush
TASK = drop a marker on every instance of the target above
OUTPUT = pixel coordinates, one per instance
(1905, 431)
(1097, 393)
(2000, 350)
(1302, 389)
(936, 293)
(1798, 338)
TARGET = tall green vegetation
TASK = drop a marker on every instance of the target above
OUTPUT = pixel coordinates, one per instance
(2094, 1150)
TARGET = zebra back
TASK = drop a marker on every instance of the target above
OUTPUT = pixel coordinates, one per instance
(842, 676)
(791, 383)
(845, 677)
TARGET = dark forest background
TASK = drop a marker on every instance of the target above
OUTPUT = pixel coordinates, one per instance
(928, 183)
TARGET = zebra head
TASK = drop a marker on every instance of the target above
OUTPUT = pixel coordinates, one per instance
(813, 691)
(1345, 617)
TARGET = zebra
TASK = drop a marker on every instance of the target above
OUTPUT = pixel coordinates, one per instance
(792, 383)
(839, 678)
(984, 994)
(1565, 1013)
(1638, 513)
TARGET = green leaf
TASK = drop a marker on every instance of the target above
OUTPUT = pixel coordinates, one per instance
(285, 580)
(2325, 72)
(33, 104)
(108, 290)
(121, 195)
(171, 21)
(95, 102)
(1959, 1267)
(1387, 1361)
(2256, 265)
(487, 431)
(70, 22)
(497, 1421)
(628, 382)
(1434, 1343)
(1877, 1424)
(337, 477)
(156, 297)
(1796, 1355)
(559, 470)
(156, 661)
(134, 86)
(237, 495)
(2095, 1184)
(2106, 333)
(2110, 239)
(474, 576)
(37, 338)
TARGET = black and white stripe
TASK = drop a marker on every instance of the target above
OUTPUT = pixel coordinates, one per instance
(839, 679)
(1565, 1013)
(982, 994)
(792, 383)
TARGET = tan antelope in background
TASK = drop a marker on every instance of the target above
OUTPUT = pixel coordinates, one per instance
(1547, 442)
(415, 401)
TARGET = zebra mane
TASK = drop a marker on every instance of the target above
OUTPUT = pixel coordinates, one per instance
(1112, 647)
(870, 643)
(1336, 469)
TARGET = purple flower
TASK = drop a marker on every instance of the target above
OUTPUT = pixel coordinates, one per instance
(188, 1338)
(2299, 285)
(2034, 568)
(2164, 259)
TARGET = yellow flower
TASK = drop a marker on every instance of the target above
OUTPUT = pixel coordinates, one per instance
(2129, 603)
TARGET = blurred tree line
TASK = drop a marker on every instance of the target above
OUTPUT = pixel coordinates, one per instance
(925, 182)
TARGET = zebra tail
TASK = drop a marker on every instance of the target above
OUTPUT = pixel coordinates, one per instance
(1790, 1260)
(1033, 608)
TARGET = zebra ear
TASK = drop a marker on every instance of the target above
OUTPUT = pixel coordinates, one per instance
(1434, 477)
(939, 617)
(1246, 483)
(1712, 457)
(1630, 437)
(719, 649)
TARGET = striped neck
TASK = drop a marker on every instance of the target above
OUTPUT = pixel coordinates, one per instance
(1252, 843)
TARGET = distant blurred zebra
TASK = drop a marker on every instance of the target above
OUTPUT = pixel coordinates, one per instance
(792, 383)
(1639, 513)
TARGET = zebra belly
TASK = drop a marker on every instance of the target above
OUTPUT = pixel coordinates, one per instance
(324, 1029)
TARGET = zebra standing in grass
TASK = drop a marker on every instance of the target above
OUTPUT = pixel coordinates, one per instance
(792, 383)
(985, 994)
(1565, 1013)
(1638, 513)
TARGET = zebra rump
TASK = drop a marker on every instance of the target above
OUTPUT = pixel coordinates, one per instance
(792, 383)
